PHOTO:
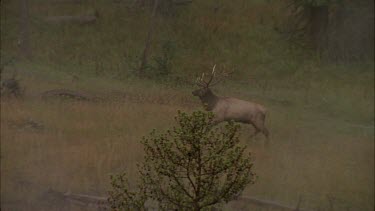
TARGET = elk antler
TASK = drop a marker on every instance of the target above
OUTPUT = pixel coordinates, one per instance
(222, 77)
(201, 81)
(212, 76)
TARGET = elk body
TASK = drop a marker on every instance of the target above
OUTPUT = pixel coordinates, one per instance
(228, 108)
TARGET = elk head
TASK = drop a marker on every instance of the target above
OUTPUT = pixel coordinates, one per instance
(206, 84)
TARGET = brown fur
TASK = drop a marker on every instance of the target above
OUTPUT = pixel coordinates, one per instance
(228, 108)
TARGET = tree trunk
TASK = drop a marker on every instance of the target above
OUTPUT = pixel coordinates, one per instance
(146, 50)
(351, 31)
(318, 26)
(24, 36)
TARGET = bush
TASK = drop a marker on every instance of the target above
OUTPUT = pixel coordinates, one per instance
(163, 62)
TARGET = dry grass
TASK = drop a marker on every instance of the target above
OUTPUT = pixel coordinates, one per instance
(77, 145)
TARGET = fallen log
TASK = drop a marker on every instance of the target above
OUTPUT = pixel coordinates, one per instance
(68, 1)
(101, 202)
(182, 2)
(86, 199)
(80, 19)
(70, 94)
(269, 204)
(95, 202)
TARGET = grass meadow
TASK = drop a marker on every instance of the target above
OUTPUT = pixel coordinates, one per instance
(321, 113)
(73, 146)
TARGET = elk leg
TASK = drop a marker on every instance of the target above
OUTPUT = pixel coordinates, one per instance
(255, 133)
(259, 127)
(265, 132)
(215, 121)
(257, 130)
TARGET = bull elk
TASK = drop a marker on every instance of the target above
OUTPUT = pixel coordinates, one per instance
(228, 108)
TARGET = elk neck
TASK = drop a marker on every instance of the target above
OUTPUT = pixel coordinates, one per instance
(209, 100)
